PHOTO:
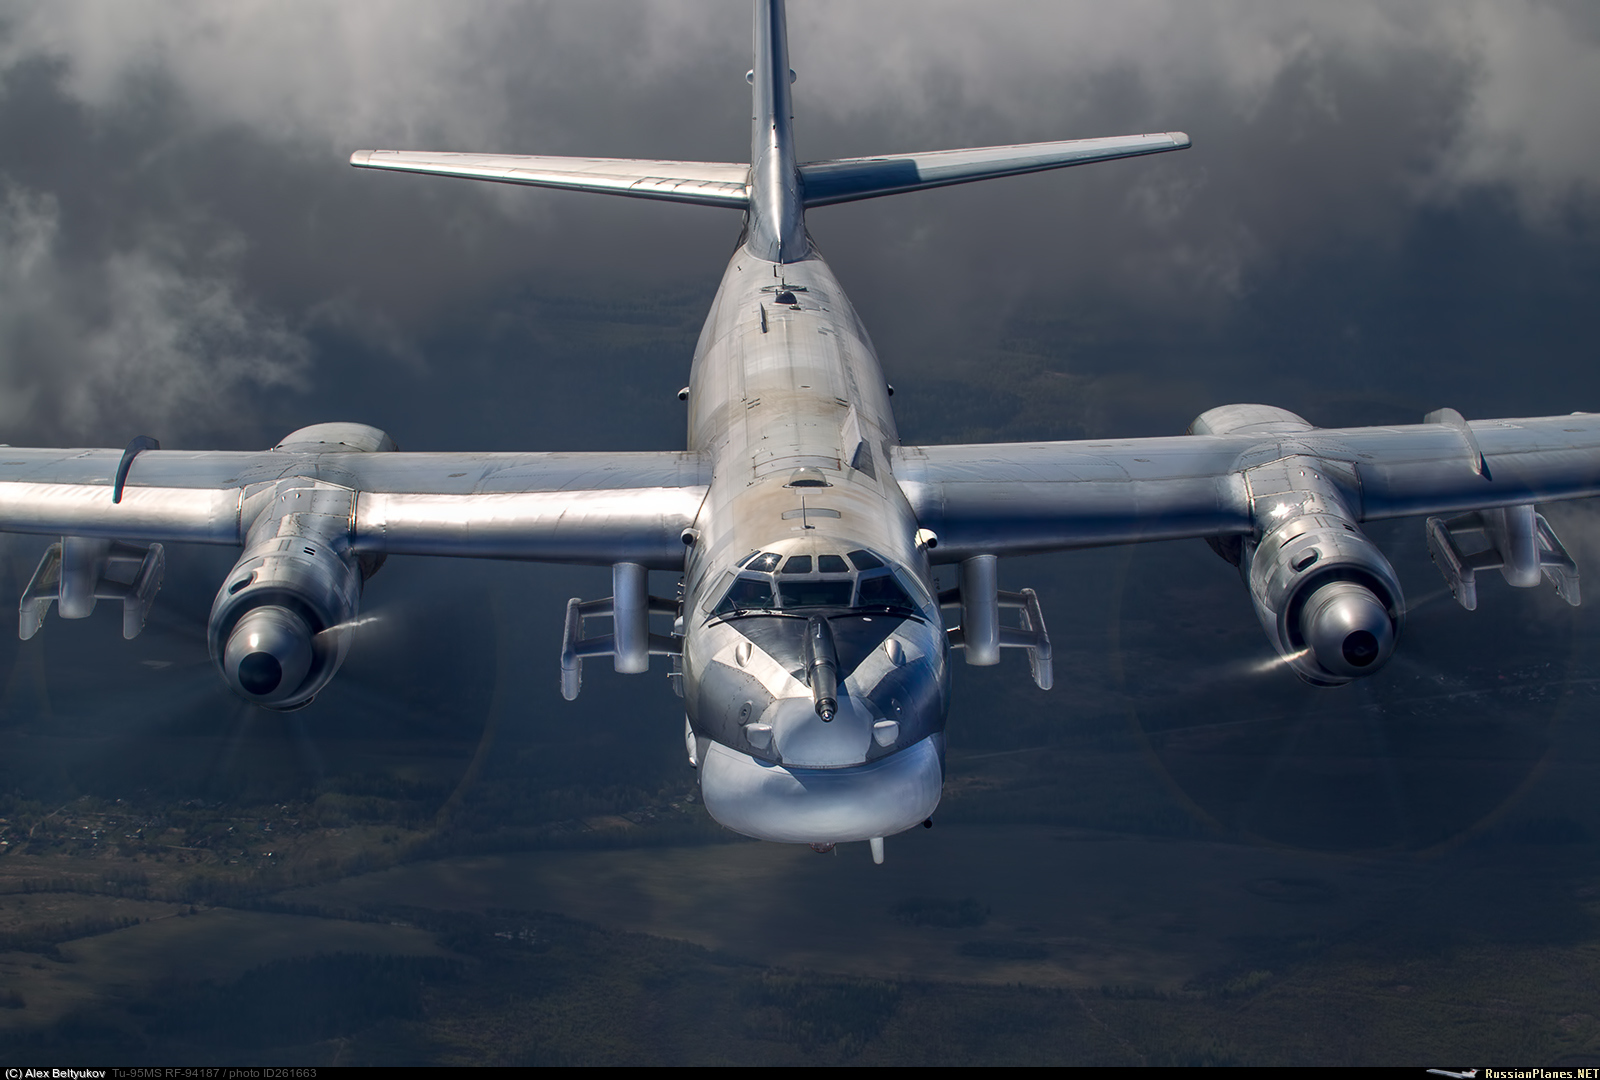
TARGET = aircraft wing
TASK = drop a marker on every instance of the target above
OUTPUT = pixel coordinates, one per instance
(707, 183)
(589, 508)
(1008, 499)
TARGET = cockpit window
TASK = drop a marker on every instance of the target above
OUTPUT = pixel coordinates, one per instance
(823, 593)
(865, 560)
(747, 593)
(882, 590)
(818, 581)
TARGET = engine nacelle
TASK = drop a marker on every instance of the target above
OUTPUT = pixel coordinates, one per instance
(1326, 596)
(279, 626)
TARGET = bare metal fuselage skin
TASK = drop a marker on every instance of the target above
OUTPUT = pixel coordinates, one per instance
(813, 715)
(788, 401)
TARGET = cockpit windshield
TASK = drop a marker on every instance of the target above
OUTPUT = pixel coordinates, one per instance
(762, 560)
(816, 593)
(769, 581)
(882, 590)
(747, 593)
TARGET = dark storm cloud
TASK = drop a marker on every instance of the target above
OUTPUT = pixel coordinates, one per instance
(128, 333)
(191, 183)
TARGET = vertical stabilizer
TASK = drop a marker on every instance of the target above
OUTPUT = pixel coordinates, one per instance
(777, 217)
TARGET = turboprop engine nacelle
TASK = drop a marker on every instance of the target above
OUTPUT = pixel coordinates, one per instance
(1326, 596)
(279, 627)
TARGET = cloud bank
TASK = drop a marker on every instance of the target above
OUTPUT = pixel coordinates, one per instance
(198, 127)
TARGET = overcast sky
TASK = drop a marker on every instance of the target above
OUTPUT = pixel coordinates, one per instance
(180, 236)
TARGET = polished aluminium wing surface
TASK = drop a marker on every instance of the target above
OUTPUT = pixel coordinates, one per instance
(589, 508)
(1018, 498)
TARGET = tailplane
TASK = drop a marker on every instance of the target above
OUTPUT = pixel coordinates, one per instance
(849, 179)
(774, 190)
(708, 183)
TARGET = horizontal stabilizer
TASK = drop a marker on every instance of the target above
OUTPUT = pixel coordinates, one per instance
(848, 179)
(708, 183)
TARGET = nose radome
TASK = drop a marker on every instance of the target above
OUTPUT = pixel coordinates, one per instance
(803, 738)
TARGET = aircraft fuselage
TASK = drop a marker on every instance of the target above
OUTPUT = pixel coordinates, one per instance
(786, 398)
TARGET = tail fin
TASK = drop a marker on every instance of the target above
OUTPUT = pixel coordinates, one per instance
(777, 223)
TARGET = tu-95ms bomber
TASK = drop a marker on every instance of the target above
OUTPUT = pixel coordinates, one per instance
(807, 643)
